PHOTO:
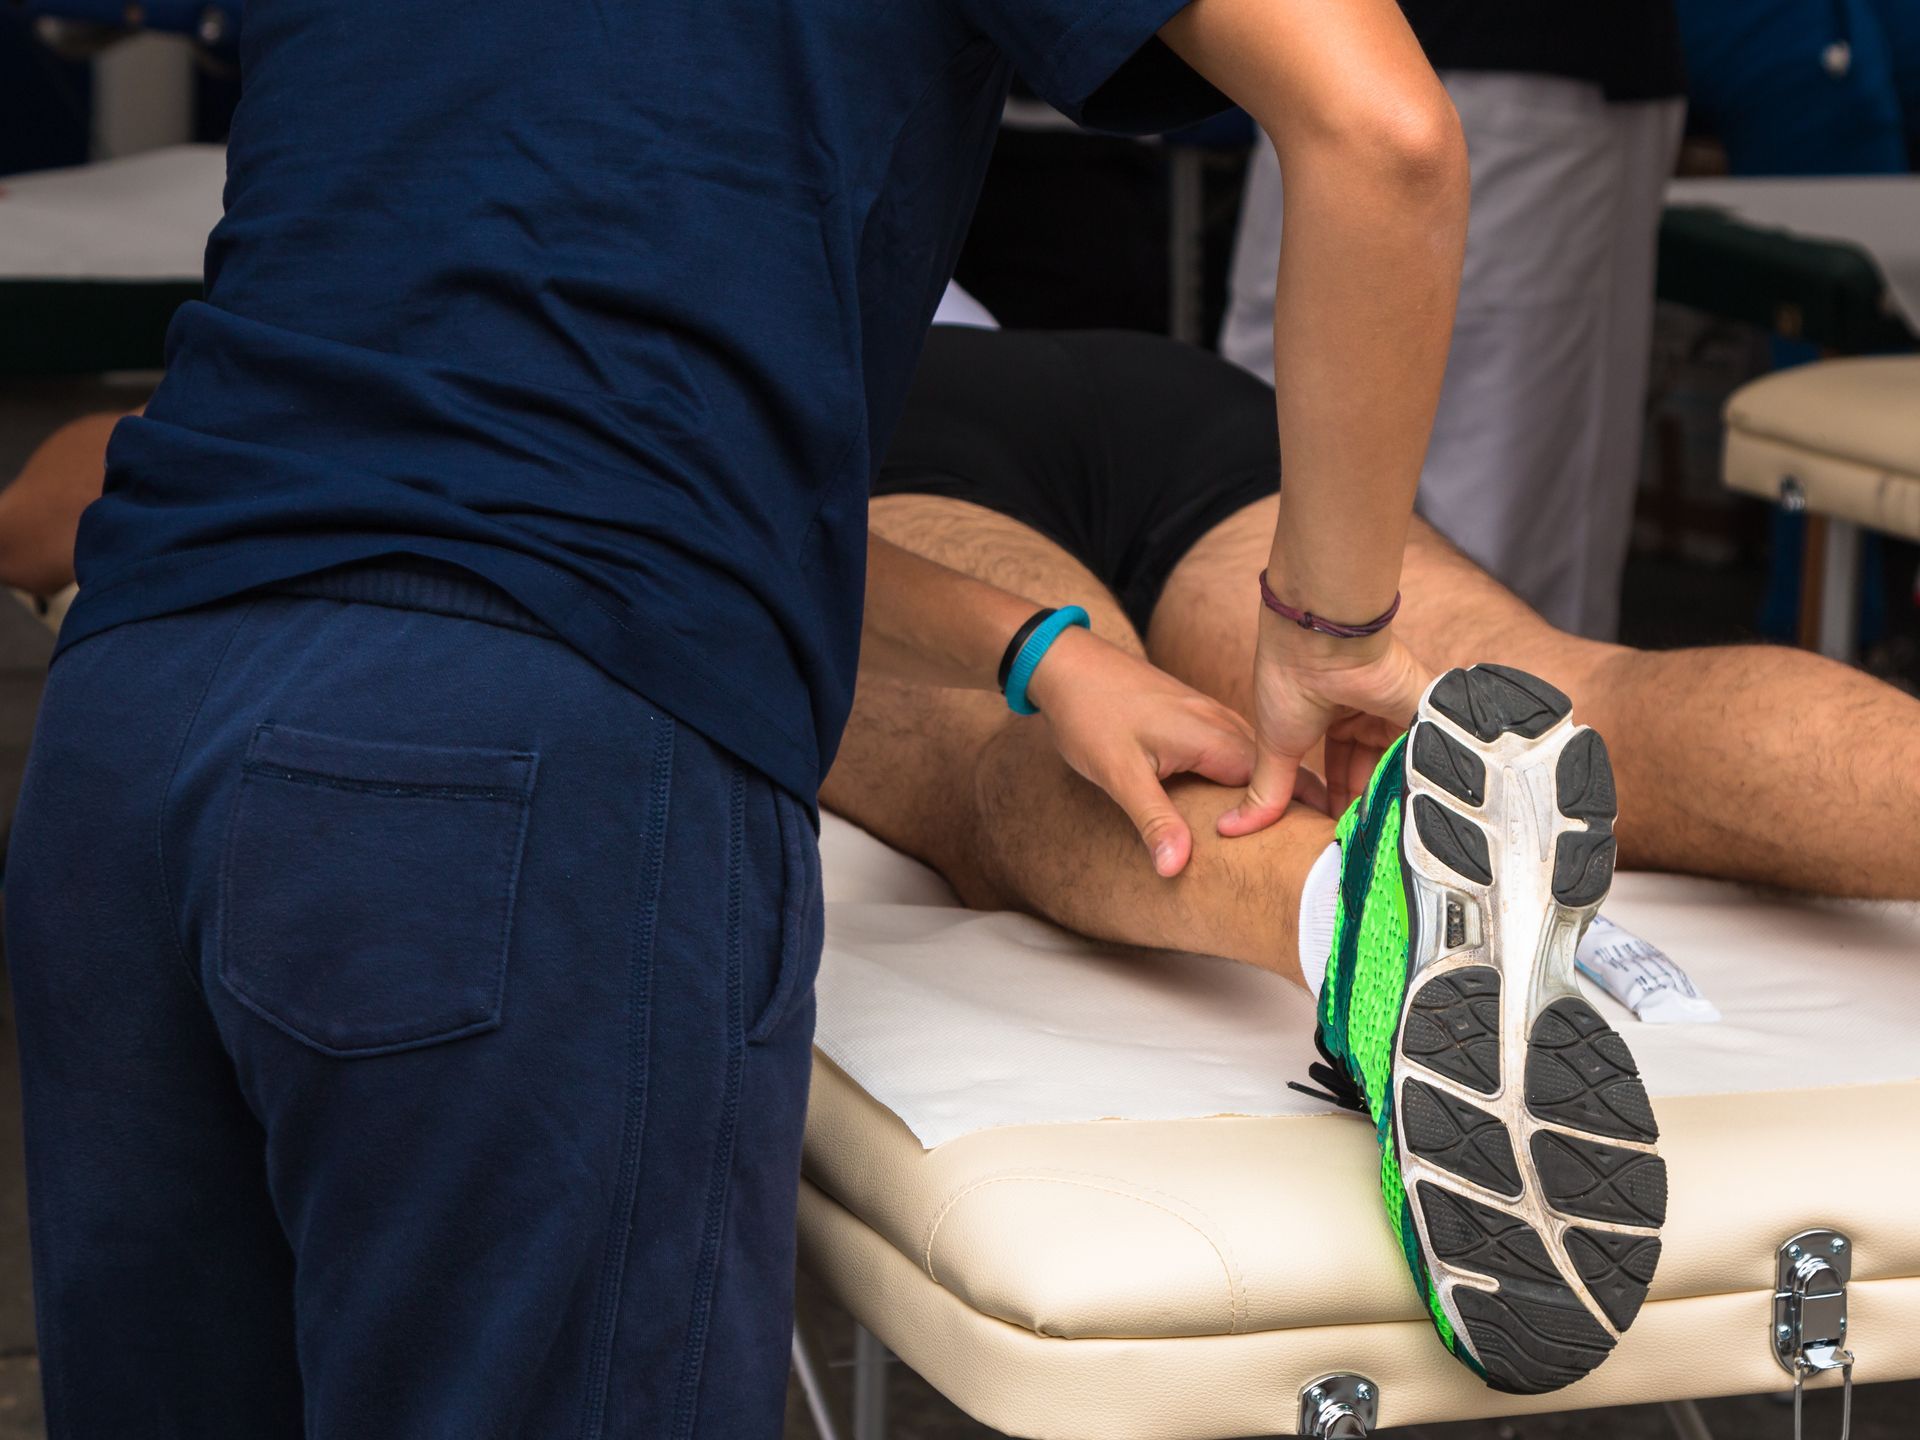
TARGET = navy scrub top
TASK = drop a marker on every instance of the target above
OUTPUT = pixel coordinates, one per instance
(613, 304)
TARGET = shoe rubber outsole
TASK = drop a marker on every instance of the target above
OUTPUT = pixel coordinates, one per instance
(1523, 1133)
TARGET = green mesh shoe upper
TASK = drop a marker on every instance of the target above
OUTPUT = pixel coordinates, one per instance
(1365, 984)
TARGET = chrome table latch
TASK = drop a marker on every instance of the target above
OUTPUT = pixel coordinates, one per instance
(1810, 1315)
(1338, 1407)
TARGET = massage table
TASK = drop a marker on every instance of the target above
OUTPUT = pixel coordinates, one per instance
(1117, 1221)
(1832, 260)
(1838, 440)
(95, 259)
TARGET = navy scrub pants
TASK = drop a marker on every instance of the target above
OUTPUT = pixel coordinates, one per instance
(414, 1028)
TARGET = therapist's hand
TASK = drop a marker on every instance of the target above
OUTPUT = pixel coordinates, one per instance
(1359, 694)
(1128, 727)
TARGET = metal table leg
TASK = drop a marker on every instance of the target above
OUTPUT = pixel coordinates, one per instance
(1688, 1422)
(870, 1360)
(813, 1389)
(1840, 590)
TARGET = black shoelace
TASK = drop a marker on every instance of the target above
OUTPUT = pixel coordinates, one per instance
(1339, 1087)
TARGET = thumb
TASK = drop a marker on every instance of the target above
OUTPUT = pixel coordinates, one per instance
(1168, 840)
(1224, 765)
(1267, 797)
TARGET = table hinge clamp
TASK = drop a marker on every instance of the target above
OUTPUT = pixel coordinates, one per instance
(1810, 1315)
(1338, 1407)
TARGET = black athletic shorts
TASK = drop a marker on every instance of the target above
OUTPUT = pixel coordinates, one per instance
(1123, 448)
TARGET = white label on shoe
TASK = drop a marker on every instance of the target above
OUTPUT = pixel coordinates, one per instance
(1641, 976)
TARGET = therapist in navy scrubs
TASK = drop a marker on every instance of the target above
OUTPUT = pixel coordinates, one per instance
(414, 901)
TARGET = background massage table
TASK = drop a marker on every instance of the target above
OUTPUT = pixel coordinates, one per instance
(1833, 260)
(95, 259)
(1839, 441)
(1176, 1277)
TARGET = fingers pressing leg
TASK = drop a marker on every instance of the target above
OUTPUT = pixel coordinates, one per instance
(1053, 845)
(956, 780)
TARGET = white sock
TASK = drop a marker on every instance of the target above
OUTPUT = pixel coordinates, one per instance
(1319, 898)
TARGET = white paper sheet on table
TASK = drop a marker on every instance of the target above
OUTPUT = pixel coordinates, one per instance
(1878, 213)
(959, 1021)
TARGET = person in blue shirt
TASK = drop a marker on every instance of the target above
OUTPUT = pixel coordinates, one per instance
(414, 899)
(1806, 87)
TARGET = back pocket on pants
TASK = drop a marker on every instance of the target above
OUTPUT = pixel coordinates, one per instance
(367, 890)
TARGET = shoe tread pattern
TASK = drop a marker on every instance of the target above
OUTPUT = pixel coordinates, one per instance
(1617, 1269)
(1453, 1027)
(1449, 764)
(1532, 1344)
(1533, 1333)
(1491, 700)
(1580, 1074)
(1471, 1236)
(1458, 1137)
(1583, 859)
(1454, 840)
(1592, 1181)
(1538, 1328)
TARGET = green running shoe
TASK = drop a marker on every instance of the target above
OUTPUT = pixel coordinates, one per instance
(1516, 1141)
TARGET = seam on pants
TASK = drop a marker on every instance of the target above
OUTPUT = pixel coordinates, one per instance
(639, 1045)
(166, 798)
(686, 1408)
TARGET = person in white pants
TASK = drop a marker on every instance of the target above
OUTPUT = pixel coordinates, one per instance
(1536, 447)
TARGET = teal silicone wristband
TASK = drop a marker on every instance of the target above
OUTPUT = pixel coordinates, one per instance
(1031, 654)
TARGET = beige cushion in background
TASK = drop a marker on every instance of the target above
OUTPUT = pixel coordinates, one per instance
(1848, 431)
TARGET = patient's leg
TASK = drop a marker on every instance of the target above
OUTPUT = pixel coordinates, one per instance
(1755, 762)
(957, 780)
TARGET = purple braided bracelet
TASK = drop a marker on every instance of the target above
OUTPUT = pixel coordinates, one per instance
(1307, 620)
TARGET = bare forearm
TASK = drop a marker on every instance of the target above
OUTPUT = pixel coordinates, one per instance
(1375, 173)
(1376, 202)
(931, 625)
(1363, 312)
